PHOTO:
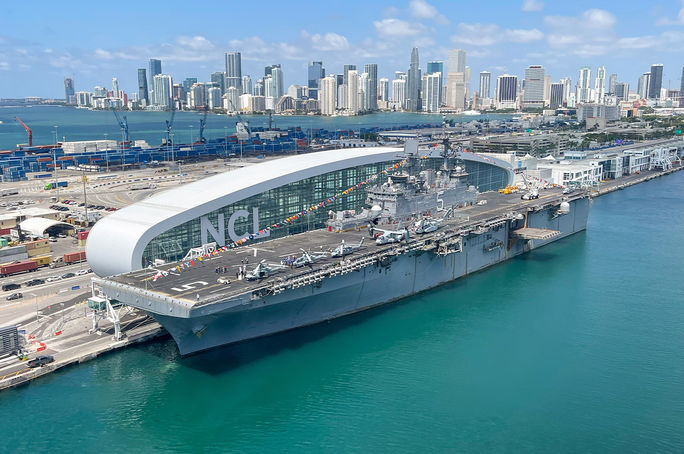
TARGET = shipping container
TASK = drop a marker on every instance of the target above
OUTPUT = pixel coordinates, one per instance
(20, 267)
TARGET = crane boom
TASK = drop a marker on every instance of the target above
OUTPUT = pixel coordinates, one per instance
(242, 126)
(28, 130)
(123, 123)
(169, 125)
(203, 124)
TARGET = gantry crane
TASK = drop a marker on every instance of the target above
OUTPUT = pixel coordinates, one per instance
(203, 124)
(123, 124)
(169, 125)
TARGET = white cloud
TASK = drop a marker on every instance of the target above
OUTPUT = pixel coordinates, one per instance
(103, 54)
(423, 10)
(532, 5)
(489, 34)
(594, 19)
(678, 21)
(329, 42)
(195, 42)
(397, 27)
(4, 66)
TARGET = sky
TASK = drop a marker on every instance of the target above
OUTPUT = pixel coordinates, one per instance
(41, 42)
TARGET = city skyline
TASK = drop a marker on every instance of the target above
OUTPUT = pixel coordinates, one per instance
(506, 39)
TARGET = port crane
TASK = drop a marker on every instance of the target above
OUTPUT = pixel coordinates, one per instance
(203, 124)
(123, 124)
(169, 125)
(242, 126)
(28, 131)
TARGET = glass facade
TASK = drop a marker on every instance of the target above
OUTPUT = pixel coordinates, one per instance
(279, 203)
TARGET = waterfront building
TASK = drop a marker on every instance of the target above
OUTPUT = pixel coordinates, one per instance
(163, 90)
(277, 76)
(372, 95)
(83, 98)
(233, 70)
(295, 91)
(259, 88)
(143, 94)
(383, 89)
(485, 81)
(69, 90)
(99, 92)
(246, 84)
(413, 85)
(346, 70)
(556, 95)
(268, 70)
(197, 96)
(155, 68)
(655, 82)
(115, 87)
(352, 104)
(232, 99)
(506, 91)
(219, 78)
(600, 85)
(431, 89)
(437, 67)
(188, 83)
(364, 89)
(399, 92)
(456, 91)
(214, 98)
(457, 61)
(327, 95)
(316, 72)
(534, 87)
(681, 90)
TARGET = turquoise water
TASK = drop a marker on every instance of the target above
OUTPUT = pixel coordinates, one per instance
(80, 124)
(575, 347)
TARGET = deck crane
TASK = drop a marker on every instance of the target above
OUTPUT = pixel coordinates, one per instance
(203, 124)
(169, 125)
(28, 130)
(123, 124)
(242, 126)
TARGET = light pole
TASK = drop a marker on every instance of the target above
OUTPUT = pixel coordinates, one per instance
(191, 135)
(106, 150)
(225, 142)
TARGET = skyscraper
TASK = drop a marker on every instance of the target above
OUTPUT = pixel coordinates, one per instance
(372, 96)
(163, 89)
(534, 87)
(611, 83)
(457, 61)
(346, 70)
(69, 92)
(399, 92)
(622, 91)
(352, 103)
(431, 92)
(556, 95)
(383, 89)
(583, 85)
(656, 82)
(437, 67)
(155, 68)
(278, 87)
(414, 81)
(316, 73)
(115, 87)
(567, 88)
(143, 94)
(219, 78)
(485, 81)
(681, 90)
(600, 85)
(327, 95)
(506, 91)
(246, 85)
(233, 71)
(269, 69)
(644, 82)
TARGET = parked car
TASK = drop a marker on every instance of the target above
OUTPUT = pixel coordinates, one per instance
(12, 286)
(15, 296)
(40, 361)
(54, 278)
(33, 282)
(68, 275)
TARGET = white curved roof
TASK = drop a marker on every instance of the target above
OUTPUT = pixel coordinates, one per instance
(116, 243)
(38, 226)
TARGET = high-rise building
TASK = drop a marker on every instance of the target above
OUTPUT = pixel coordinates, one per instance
(534, 87)
(584, 85)
(372, 96)
(155, 68)
(233, 97)
(163, 90)
(622, 91)
(346, 70)
(644, 82)
(399, 92)
(457, 61)
(269, 69)
(656, 81)
(259, 88)
(115, 87)
(364, 90)
(456, 91)
(437, 67)
(611, 83)
(143, 94)
(556, 95)
(485, 81)
(278, 86)
(383, 89)
(352, 103)
(214, 97)
(83, 98)
(600, 85)
(316, 73)
(327, 91)
(431, 91)
(69, 90)
(219, 78)
(506, 91)
(246, 85)
(233, 71)
(414, 81)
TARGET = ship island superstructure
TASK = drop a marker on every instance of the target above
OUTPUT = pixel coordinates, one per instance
(174, 256)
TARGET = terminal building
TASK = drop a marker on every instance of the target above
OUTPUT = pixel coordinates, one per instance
(227, 207)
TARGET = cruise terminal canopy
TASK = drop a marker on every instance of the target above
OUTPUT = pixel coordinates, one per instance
(117, 242)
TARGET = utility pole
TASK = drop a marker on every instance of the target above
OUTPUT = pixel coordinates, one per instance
(54, 160)
(85, 200)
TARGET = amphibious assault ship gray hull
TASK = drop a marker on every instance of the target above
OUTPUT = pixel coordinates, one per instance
(199, 320)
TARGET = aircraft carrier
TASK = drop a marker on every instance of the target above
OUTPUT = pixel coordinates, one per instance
(207, 305)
